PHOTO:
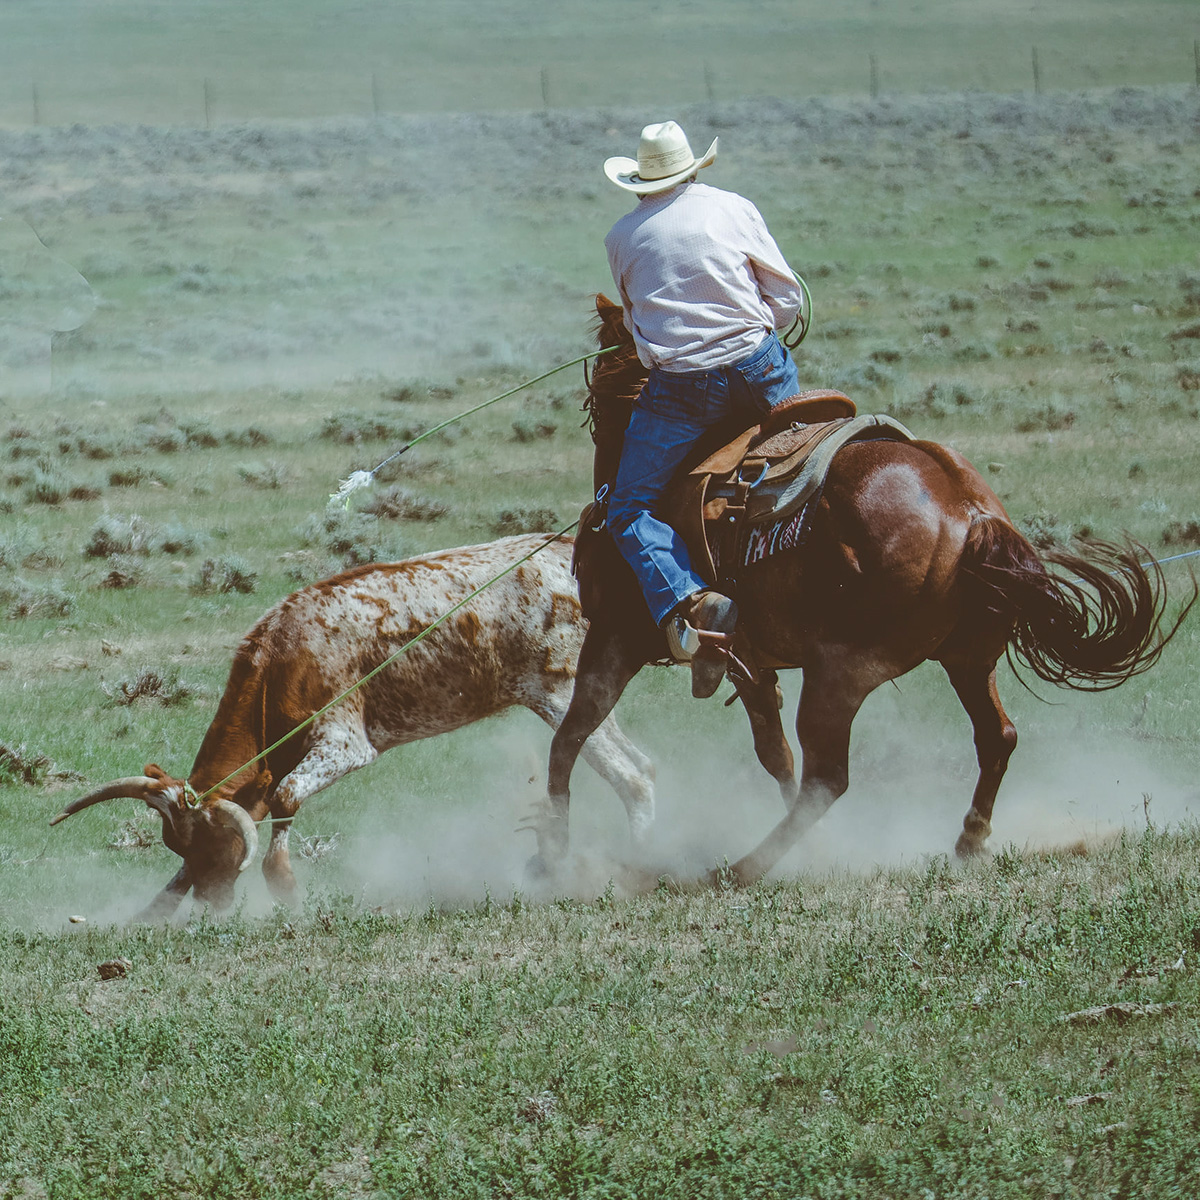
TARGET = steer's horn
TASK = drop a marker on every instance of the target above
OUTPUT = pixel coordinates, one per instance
(133, 786)
(241, 818)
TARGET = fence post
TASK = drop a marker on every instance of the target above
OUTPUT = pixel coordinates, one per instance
(207, 104)
(874, 77)
(1037, 74)
(1196, 56)
(37, 106)
(375, 93)
(545, 87)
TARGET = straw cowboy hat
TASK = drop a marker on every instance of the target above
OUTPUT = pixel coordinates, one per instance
(664, 159)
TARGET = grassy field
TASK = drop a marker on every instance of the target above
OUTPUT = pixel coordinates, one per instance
(280, 303)
(912, 1032)
(66, 61)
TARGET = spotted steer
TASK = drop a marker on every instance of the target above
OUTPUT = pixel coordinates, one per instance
(515, 643)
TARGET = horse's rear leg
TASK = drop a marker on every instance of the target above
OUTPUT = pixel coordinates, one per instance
(606, 665)
(762, 700)
(995, 740)
(829, 701)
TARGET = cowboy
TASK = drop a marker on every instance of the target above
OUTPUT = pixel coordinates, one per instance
(704, 287)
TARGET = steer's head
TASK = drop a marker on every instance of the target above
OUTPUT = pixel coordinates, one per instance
(216, 839)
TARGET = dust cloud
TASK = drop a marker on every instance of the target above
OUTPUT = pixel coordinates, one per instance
(390, 837)
(911, 785)
(40, 295)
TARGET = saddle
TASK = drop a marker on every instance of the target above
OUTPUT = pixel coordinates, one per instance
(749, 497)
(746, 494)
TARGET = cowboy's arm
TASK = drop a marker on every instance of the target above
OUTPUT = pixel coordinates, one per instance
(776, 281)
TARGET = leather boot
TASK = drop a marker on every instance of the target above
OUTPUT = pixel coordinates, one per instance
(704, 610)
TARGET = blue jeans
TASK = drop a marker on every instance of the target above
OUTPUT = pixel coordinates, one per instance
(671, 412)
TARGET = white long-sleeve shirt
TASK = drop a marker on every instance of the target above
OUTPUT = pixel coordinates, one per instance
(701, 278)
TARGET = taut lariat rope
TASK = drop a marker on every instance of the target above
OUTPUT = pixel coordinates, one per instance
(362, 479)
(1172, 558)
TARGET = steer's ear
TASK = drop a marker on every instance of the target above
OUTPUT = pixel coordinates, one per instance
(169, 798)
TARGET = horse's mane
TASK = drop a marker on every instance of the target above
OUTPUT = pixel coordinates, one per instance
(616, 377)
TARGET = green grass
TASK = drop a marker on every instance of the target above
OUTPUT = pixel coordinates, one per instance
(125, 61)
(949, 291)
(1003, 273)
(847, 1036)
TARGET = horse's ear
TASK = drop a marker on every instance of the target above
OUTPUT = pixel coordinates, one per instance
(610, 322)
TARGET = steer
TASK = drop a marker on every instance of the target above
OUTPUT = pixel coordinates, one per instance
(516, 642)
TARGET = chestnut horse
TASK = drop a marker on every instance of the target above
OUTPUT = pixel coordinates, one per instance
(909, 556)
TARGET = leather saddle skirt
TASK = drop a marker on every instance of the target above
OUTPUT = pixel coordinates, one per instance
(749, 496)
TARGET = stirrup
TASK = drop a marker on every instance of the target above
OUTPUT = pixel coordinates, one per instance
(683, 639)
(716, 615)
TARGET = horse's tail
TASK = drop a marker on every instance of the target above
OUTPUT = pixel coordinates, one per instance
(1092, 628)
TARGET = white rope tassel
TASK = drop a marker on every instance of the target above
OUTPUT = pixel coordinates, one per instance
(364, 479)
(356, 482)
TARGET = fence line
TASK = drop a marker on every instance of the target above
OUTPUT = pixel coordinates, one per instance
(875, 86)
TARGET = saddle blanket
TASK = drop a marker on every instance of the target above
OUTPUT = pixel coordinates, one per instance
(764, 540)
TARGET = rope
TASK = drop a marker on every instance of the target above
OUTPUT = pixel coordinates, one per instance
(1157, 562)
(798, 330)
(1172, 558)
(362, 479)
(387, 662)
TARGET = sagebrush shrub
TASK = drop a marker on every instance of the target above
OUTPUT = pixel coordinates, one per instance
(253, 436)
(353, 537)
(114, 534)
(265, 476)
(149, 684)
(228, 573)
(351, 428)
(524, 520)
(532, 429)
(21, 765)
(124, 571)
(398, 503)
(47, 488)
(21, 599)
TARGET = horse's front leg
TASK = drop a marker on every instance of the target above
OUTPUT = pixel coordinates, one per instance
(834, 689)
(606, 665)
(762, 700)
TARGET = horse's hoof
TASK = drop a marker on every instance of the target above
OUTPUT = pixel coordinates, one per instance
(968, 847)
(724, 877)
